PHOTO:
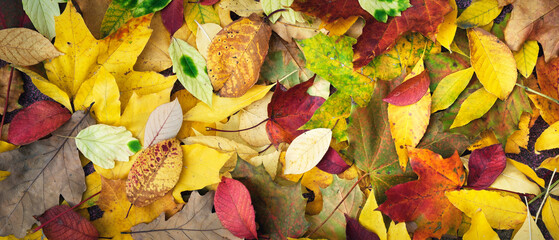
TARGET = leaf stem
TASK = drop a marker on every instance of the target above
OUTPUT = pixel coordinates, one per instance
(240, 130)
(542, 193)
(538, 93)
(546, 194)
(7, 100)
(62, 213)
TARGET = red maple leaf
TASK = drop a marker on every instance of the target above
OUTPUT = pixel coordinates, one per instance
(423, 200)
(424, 16)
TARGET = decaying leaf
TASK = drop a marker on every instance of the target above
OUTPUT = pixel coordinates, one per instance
(154, 173)
(22, 46)
(236, 55)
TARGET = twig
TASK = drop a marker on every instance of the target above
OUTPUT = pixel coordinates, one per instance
(542, 193)
(538, 93)
(546, 194)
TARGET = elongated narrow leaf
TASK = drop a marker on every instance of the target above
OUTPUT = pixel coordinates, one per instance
(22, 46)
(475, 106)
(42, 15)
(234, 208)
(103, 144)
(190, 68)
(449, 88)
(307, 150)
(163, 123)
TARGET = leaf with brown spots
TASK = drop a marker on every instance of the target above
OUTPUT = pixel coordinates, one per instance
(236, 55)
(155, 172)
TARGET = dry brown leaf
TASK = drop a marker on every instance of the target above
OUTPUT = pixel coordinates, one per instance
(15, 89)
(93, 12)
(236, 55)
(289, 31)
(252, 115)
(40, 173)
(25, 47)
(155, 56)
(155, 172)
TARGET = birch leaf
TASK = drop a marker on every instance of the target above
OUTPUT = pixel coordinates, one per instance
(307, 150)
(163, 123)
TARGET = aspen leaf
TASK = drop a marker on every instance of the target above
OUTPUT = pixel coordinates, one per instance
(479, 13)
(103, 144)
(22, 46)
(163, 123)
(480, 229)
(234, 208)
(475, 106)
(549, 139)
(36, 121)
(449, 88)
(236, 55)
(493, 62)
(380, 10)
(307, 150)
(154, 173)
(502, 210)
(526, 57)
(549, 216)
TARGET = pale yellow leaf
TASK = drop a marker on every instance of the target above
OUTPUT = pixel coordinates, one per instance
(230, 126)
(201, 167)
(528, 171)
(480, 229)
(551, 163)
(549, 138)
(512, 179)
(447, 29)
(371, 219)
(288, 31)
(550, 215)
(253, 115)
(479, 13)
(25, 47)
(529, 230)
(398, 231)
(163, 123)
(449, 88)
(527, 57)
(223, 107)
(307, 150)
(493, 62)
(503, 210)
(474, 107)
(269, 160)
(136, 114)
(555, 190)
(242, 8)
(206, 32)
(223, 145)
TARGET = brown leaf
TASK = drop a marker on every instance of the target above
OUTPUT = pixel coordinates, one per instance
(16, 89)
(22, 46)
(69, 225)
(236, 55)
(155, 56)
(40, 173)
(155, 172)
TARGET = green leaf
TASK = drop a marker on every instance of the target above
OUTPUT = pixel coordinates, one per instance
(280, 210)
(284, 62)
(450, 88)
(335, 227)
(331, 58)
(381, 9)
(116, 16)
(42, 15)
(196, 12)
(144, 7)
(190, 68)
(288, 14)
(103, 144)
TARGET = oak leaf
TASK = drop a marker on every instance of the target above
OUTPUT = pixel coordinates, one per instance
(234, 208)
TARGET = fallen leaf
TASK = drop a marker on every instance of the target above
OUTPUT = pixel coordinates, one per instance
(155, 55)
(16, 87)
(116, 15)
(519, 138)
(285, 62)
(480, 228)
(529, 230)
(447, 29)
(4, 175)
(288, 31)
(449, 88)
(549, 139)
(380, 10)
(550, 163)
(479, 13)
(136, 114)
(154, 173)
(372, 219)
(307, 150)
(93, 12)
(252, 115)
(203, 41)
(102, 90)
(243, 8)
(223, 145)
(69, 225)
(197, 13)
(172, 15)
(549, 216)
(410, 91)
(332, 162)
(485, 165)
(526, 57)
(503, 210)
(547, 84)
(437, 176)
(514, 180)
(236, 55)
(474, 107)
(234, 208)
(398, 231)
(41, 14)
(36, 121)
(103, 144)
(291, 16)
(163, 123)
(354, 230)
(22, 46)
(194, 221)
(52, 162)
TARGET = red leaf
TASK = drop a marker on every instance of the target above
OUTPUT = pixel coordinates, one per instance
(69, 225)
(410, 91)
(289, 110)
(423, 200)
(485, 165)
(424, 16)
(172, 16)
(332, 162)
(354, 230)
(208, 2)
(234, 208)
(37, 121)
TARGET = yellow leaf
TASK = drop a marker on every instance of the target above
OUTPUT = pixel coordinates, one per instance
(408, 124)
(519, 138)
(144, 83)
(269, 160)
(447, 29)
(340, 26)
(201, 167)
(38, 235)
(101, 89)
(493, 62)
(527, 57)
(474, 107)
(551, 163)
(48, 88)
(6, 146)
(479, 13)
(488, 138)
(449, 88)
(550, 213)
(223, 145)
(503, 210)
(512, 179)
(315, 179)
(223, 107)
(93, 184)
(80, 50)
(528, 171)
(487, 27)
(252, 115)
(242, 7)
(136, 114)
(529, 230)
(371, 219)
(121, 169)
(480, 229)
(4, 175)
(549, 138)
(196, 12)
(548, 109)
(398, 231)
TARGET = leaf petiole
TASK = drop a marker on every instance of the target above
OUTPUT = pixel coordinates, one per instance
(542, 193)
(538, 93)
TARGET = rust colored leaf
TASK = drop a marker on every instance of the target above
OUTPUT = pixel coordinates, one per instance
(424, 16)
(423, 200)
(289, 110)
(234, 208)
(236, 55)
(332, 162)
(172, 15)
(155, 172)
(69, 225)
(410, 91)
(37, 121)
(485, 165)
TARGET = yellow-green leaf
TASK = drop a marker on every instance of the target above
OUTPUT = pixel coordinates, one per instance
(447, 29)
(527, 57)
(196, 12)
(480, 229)
(493, 62)
(479, 13)
(549, 138)
(503, 210)
(550, 215)
(450, 88)
(475, 106)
